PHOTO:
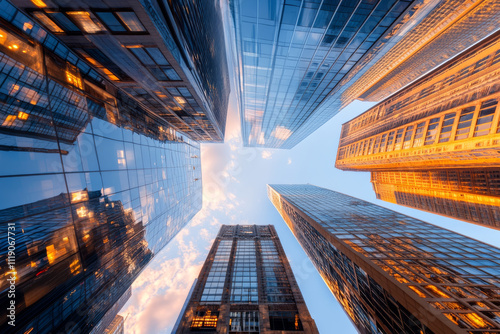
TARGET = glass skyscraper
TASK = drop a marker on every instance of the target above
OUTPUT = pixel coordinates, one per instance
(393, 273)
(434, 144)
(298, 59)
(246, 286)
(93, 184)
(168, 56)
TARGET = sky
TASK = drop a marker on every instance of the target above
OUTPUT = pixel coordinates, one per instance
(234, 192)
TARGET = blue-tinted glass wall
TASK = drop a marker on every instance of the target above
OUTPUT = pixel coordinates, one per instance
(93, 184)
(292, 54)
(393, 273)
(169, 56)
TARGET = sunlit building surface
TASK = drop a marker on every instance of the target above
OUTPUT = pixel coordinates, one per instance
(298, 59)
(116, 326)
(168, 56)
(447, 119)
(246, 286)
(470, 195)
(393, 273)
(93, 184)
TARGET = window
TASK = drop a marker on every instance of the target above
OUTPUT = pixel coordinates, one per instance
(289, 321)
(205, 320)
(446, 128)
(47, 22)
(464, 123)
(430, 137)
(86, 22)
(408, 135)
(419, 134)
(246, 321)
(131, 21)
(399, 139)
(121, 22)
(63, 21)
(382, 142)
(155, 61)
(485, 118)
(390, 141)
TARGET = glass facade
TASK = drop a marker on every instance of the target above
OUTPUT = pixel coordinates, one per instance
(470, 195)
(246, 286)
(168, 56)
(393, 273)
(93, 184)
(293, 53)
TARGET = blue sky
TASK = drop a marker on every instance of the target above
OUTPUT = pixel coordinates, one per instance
(234, 192)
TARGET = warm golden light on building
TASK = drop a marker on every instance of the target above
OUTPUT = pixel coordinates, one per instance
(74, 79)
(22, 115)
(79, 196)
(39, 3)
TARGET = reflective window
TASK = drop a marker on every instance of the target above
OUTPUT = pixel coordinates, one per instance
(485, 118)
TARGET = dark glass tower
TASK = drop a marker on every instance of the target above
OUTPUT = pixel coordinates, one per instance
(393, 273)
(93, 184)
(301, 61)
(246, 286)
(168, 56)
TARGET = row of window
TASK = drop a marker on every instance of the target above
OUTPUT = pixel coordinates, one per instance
(381, 110)
(119, 21)
(469, 122)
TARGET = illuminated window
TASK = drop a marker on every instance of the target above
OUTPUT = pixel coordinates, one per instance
(74, 79)
(63, 21)
(464, 123)
(47, 22)
(131, 21)
(288, 321)
(206, 320)
(485, 118)
(86, 22)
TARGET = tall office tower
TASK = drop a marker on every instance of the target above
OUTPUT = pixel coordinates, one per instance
(116, 326)
(168, 56)
(448, 120)
(300, 62)
(471, 195)
(246, 286)
(93, 185)
(393, 273)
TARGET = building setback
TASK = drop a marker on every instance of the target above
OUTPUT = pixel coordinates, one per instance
(168, 56)
(393, 273)
(301, 62)
(93, 184)
(246, 286)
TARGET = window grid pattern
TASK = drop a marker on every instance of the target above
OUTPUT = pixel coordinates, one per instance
(244, 287)
(450, 272)
(277, 287)
(214, 286)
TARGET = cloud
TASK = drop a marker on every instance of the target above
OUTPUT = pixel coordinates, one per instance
(289, 161)
(267, 154)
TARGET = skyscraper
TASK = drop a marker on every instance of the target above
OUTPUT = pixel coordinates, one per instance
(300, 62)
(246, 286)
(393, 273)
(168, 56)
(434, 144)
(93, 184)
(470, 195)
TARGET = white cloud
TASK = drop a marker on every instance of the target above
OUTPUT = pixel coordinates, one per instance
(289, 161)
(267, 154)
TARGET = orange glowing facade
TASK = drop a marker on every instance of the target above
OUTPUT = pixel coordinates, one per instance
(434, 145)
(470, 195)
